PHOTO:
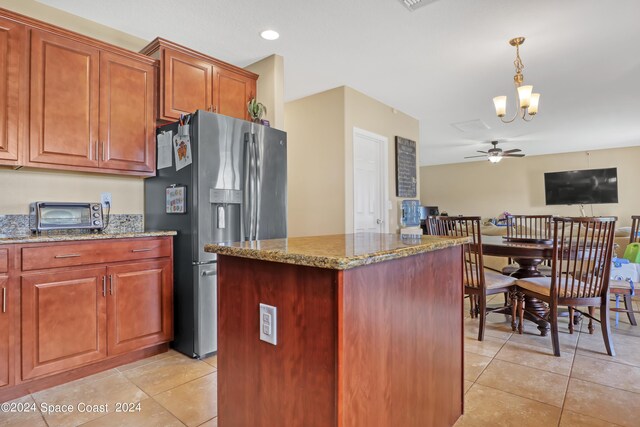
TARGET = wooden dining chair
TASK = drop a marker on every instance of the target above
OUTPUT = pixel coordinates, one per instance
(623, 288)
(588, 244)
(478, 281)
(528, 227)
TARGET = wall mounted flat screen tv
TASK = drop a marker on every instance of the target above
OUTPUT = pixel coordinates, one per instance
(581, 187)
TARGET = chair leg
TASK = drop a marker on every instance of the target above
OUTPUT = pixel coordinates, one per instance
(606, 330)
(471, 303)
(592, 311)
(506, 298)
(520, 312)
(628, 305)
(514, 308)
(553, 321)
(571, 312)
(483, 314)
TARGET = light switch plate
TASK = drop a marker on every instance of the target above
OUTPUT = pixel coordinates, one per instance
(268, 324)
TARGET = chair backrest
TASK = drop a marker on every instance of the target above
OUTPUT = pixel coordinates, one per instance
(585, 244)
(529, 226)
(635, 229)
(463, 226)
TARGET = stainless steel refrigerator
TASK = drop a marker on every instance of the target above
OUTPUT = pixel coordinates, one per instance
(236, 190)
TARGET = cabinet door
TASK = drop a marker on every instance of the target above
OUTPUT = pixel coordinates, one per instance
(12, 80)
(63, 320)
(127, 119)
(4, 330)
(232, 92)
(187, 84)
(140, 309)
(64, 101)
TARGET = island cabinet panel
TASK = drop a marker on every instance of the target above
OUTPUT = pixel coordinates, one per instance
(374, 345)
(294, 382)
(127, 115)
(186, 85)
(140, 305)
(6, 308)
(64, 101)
(400, 359)
(13, 70)
(63, 320)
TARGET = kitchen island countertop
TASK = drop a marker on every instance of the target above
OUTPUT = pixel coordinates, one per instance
(337, 252)
(6, 239)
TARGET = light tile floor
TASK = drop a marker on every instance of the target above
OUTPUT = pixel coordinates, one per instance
(510, 380)
(514, 380)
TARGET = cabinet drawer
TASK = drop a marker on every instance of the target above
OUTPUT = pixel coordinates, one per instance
(70, 254)
(4, 260)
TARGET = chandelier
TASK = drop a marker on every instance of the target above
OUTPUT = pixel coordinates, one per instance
(527, 101)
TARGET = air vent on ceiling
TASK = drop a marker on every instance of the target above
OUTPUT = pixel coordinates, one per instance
(471, 126)
(415, 4)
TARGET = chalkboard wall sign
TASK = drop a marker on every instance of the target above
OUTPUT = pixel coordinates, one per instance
(405, 167)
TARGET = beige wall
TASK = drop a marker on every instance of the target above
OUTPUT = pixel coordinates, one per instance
(270, 88)
(320, 135)
(364, 112)
(517, 185)
(315, 162)
(20, 187)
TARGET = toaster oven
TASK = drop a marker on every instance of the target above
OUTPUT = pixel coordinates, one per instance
(44, 216)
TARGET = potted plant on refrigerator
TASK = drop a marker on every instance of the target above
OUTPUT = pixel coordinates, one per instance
(256, 110)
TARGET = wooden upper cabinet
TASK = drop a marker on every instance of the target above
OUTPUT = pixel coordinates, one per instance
(92, 106)
(13, 81)
(233, 91)
(186, 86)
(127, 116)
(65, 79)
(190, 80)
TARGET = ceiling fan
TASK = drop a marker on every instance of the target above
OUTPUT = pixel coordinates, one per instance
(495, 154)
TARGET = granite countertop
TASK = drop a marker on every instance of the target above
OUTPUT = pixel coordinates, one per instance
(65, 237)
(337, 252)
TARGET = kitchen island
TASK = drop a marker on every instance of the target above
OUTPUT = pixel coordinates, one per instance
(368, 331)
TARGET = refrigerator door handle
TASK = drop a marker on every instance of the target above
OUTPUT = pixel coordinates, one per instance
(254, 190)
(246, 205)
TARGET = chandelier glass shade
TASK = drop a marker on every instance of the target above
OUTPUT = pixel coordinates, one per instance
(527, 101)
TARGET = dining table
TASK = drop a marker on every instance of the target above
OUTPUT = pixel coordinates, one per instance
(528, 254)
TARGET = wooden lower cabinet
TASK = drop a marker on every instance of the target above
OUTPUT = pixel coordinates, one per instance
(140, 305)
(63, 320)
(5, 310)
(76, 315)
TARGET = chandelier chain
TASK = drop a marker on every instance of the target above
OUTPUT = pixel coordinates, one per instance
(518, 62)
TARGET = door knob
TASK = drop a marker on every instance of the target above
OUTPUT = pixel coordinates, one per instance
(379, 221)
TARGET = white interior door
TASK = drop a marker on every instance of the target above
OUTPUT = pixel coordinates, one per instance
(369, 182)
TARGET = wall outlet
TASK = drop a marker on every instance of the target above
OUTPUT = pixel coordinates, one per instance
(105, 199)
(268, 324)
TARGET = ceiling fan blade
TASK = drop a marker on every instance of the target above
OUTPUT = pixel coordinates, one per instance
(515, 150)
(483, 152)
(473, 157)
(513, 155)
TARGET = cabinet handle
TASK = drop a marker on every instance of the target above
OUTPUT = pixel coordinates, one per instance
(213, 109)
(67, 256)
(102, 146)
(111, 284)
(104, 286)
(97, 151)
(4, 300)
(142, 250)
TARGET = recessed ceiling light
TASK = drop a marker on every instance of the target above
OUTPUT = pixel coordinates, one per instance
(269, 35)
